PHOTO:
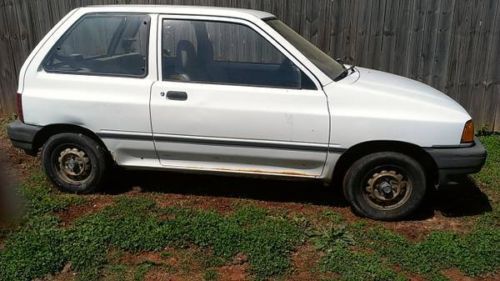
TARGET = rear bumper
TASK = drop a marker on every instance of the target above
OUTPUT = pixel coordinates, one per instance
(22, 135)
(456, 161)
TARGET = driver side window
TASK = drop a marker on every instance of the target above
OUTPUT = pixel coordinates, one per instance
(103, 44)
(225, 53)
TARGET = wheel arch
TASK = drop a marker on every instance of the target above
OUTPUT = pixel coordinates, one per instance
(362, 149)
(50, 130)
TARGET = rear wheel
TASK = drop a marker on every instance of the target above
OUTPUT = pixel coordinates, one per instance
(385, 185)
(74, 162)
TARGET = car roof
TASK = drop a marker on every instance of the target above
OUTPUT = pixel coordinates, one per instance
(182, 10)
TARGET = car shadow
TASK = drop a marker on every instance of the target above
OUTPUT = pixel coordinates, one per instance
(458, 200)
(263, 189)
(462, 199)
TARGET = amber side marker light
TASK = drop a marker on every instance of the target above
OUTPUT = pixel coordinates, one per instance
(468, 133)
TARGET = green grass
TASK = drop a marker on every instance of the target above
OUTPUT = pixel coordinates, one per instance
(474, 253)
(33, 251)
(490, 174)
(352, 263)
(40, 245)
(41, 198)
(134, 225)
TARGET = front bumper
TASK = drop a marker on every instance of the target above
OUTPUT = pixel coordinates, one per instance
(456, 161)
(22, 136)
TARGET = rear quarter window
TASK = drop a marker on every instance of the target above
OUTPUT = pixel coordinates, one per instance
(103, 44)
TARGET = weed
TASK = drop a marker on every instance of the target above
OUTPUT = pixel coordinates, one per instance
(142, 270)
(165, 254)
(351, 263)
(333, 236)
(333, 217)
(211, 275)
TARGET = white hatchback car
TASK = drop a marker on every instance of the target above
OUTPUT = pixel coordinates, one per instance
(231, 91)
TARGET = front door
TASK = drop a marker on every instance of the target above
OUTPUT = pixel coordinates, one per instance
(230, 100)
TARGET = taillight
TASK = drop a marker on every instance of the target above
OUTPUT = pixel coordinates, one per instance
(19, 107)
(468, 132)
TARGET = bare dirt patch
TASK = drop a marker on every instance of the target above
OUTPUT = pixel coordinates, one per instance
(306, 265)
(221, 205)
(456, 275)
(17, 164)
(160, 274)
(151, 257)
(234, 272)
(94, 205)
(169, 264)
(417, 230)
(237, 270)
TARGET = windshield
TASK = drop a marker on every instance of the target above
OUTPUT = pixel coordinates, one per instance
(324, 62)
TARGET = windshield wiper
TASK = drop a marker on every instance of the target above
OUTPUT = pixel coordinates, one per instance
(344, 73)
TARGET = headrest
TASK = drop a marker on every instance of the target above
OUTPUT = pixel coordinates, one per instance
(185, 55)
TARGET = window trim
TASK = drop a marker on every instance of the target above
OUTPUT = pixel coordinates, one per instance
(100, 14)
(232, 20)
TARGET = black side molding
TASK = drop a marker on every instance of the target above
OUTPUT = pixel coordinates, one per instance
(22, 135)
(221, 142)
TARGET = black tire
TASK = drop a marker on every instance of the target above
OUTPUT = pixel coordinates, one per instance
(75, 163)
(385, 186)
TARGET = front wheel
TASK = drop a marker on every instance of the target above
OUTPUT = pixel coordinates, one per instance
(74, 162)
(385, 185)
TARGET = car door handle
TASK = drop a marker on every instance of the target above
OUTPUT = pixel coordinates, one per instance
(175, 95)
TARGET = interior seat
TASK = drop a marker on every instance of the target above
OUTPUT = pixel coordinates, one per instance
(187, 66)
(215, 72)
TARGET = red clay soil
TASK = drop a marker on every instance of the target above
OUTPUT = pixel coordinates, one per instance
(177, 266)
(180, 264)
(152, 257)
(219, 204)
(17, 164)
(93, 205)
(415, 277)
(456, 275)
(159, 274)
(305, 265)
(417, 230)
(235, 272)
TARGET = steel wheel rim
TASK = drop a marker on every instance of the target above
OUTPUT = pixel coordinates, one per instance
(387, 188)
(73, 165)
